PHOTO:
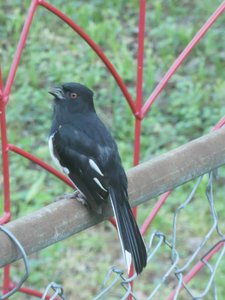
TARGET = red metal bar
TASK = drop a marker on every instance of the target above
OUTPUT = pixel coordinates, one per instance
(139, 87)
(6, 280)
(95, 47)
(19, 49)
(197, 268)
(5, 158)
(5, 218)
(5, 155)
(140, 55)
(139, 96)
(40, 163)
(220, 123)
(154, 212)
(1, 83)
(33, 293)
(181, 58)
(137, 142)
(5, 172)
(113, 221)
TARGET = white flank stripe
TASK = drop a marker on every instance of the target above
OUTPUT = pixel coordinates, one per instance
(50, 145)
(54, 158)
(95, 167)
(99, 184)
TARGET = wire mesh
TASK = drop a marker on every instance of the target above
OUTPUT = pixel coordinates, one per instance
(58, 292)
(183, 272)
(26, 264)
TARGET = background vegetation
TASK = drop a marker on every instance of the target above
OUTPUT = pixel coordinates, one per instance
(188, 108)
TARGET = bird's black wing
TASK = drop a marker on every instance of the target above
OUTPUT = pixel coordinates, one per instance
(81, 158)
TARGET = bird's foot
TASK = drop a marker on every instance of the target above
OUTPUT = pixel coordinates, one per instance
(59, 198)
(77, 195)
(80, 197)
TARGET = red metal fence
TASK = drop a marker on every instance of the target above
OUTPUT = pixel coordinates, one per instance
(138, 106)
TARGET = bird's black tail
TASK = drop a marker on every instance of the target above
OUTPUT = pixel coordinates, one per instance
(130, 237)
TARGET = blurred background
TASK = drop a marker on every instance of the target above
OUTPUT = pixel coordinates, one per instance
(189, 107)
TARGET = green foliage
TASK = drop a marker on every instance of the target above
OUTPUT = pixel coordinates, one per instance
(189, 107)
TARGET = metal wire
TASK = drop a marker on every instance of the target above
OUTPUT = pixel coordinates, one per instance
(184, 273)
(58, 291)
(24, 257)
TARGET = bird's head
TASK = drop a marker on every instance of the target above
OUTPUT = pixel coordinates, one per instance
(73, 96)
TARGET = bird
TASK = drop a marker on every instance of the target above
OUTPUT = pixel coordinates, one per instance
(84, 149)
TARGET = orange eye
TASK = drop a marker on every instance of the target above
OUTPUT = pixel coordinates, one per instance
(73, 95)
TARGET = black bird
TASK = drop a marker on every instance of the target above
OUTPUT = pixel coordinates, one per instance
(86, 152)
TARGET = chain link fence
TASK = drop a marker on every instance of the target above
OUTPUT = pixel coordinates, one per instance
(180, 270)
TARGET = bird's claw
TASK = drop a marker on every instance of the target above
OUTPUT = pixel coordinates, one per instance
(77, 195)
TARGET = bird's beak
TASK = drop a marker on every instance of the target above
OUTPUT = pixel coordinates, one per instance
(57, 92)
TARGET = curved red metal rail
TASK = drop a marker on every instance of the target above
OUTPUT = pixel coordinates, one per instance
(138, 109)
(41, 163)
(95, 47)
(181, 58)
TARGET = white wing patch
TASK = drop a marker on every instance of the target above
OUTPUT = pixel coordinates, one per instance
(95, 167)
(99, 184)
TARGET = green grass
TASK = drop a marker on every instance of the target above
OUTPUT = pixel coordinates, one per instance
(188, 108)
